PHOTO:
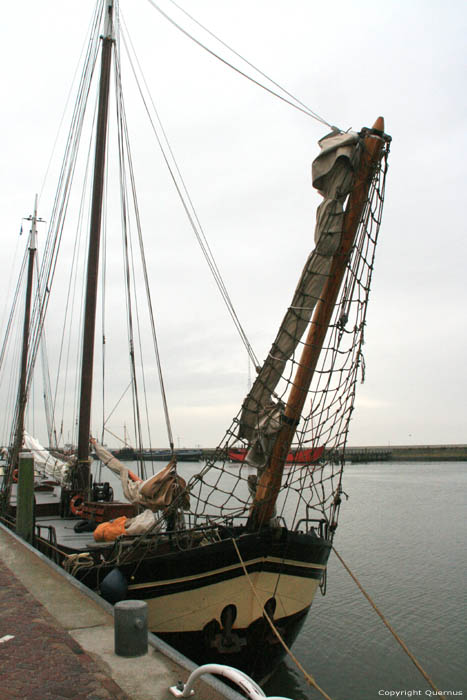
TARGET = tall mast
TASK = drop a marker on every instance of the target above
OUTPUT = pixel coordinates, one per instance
(269, 484)
(81, 474)
(22, 393)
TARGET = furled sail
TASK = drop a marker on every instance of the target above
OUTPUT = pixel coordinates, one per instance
(45, 463)
(156, 493)
(332, 174)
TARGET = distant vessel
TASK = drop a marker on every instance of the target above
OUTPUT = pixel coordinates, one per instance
(182, 455)
(129, 454)
(221, 556)
(310, 456)
(126, 454)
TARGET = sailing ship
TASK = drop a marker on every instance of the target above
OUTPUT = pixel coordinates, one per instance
(306, 456)
(228, 560)
(182, 454)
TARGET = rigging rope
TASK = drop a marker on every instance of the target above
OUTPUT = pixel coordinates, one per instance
(125, 150)
(187, 202)
(13, 307)
(12, 343)
(72, 293)
(13, 271)
(60, 206)
(116, 406)
(95, 18)
(128, 268)
(390, 628)
(47, 392)
(297, 104)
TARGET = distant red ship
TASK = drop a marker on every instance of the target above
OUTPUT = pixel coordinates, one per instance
(238, 454)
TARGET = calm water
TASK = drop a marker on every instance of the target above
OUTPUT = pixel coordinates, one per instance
(403, 534)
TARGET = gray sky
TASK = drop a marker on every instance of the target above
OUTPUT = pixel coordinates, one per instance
(246, 159)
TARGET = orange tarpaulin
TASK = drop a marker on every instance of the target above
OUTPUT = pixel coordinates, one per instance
(110, 530)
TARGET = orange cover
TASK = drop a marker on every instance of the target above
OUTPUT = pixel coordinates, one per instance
(110, 530)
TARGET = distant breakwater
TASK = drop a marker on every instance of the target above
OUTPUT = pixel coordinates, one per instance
(395, 453)
(408, 453)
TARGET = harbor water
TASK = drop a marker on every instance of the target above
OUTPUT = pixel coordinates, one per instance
(402, 531)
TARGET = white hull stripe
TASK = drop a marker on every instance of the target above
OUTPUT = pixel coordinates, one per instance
(283, 563)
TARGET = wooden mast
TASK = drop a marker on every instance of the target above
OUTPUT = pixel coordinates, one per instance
(269, 484)
(82, 472)
(23, 392)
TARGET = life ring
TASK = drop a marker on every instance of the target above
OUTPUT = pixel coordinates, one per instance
(15, 475)
(77, 504)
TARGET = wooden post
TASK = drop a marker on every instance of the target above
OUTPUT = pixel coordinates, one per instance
(25, 497)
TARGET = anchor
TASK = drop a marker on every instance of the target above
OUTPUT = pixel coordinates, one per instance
(226, 641)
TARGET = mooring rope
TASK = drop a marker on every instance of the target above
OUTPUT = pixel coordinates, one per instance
(390, 628)
(307, 675)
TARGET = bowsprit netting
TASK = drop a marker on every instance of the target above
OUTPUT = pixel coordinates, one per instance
(310, 483)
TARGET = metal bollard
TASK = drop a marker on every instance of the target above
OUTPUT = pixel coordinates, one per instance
(131, 628)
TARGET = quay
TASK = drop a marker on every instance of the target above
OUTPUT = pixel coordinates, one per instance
(57, 640)
(407, 453)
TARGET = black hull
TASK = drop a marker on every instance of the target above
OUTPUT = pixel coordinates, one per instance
(198, 585)
(255, 650)
(200, 600)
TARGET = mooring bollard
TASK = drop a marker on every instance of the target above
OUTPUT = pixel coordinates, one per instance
(131, 628)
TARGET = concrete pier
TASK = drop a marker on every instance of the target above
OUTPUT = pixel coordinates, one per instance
(407, 453)
(57, 640)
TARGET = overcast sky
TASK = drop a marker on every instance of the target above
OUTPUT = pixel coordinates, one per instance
(246, 159)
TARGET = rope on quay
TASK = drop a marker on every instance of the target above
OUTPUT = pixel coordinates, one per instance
(390, 628)
(307, 676)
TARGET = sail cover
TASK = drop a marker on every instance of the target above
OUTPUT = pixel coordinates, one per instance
(332, 175)
(45, 463)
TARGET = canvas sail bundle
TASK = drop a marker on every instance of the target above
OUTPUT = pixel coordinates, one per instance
(267, 426)
(45, 463)
(156, 493)
(332, 174)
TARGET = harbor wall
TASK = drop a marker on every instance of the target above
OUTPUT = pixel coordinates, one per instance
(408, 453)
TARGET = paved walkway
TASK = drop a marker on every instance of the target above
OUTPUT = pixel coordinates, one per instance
(41, 660)
(57, 640)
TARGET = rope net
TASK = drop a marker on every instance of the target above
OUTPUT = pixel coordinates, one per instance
(310, 489)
